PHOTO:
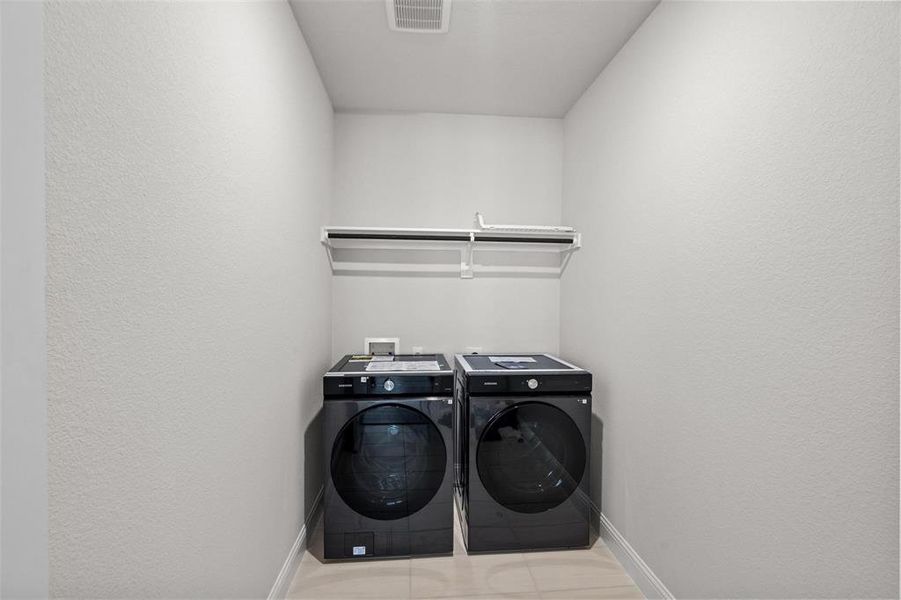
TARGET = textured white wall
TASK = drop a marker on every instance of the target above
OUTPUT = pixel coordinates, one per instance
(23, 321)
(437, 170)
(188, 162)
(735, 171)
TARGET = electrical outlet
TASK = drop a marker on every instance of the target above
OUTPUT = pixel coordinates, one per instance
(473, 350)
(417, 349)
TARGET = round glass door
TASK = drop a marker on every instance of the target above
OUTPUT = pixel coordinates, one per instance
(388, 462)
(531, 457)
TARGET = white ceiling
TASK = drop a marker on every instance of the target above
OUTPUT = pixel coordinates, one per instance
(501, 57)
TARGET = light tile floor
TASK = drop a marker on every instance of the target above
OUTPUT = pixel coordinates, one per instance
(567, 574)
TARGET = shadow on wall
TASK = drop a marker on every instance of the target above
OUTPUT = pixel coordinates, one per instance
(314, 470)
(312, 467)
(444, 263)
(596, 462)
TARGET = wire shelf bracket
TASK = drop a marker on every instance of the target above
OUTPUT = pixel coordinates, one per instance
(482, 237)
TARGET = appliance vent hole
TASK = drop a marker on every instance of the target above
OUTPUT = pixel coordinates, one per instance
(420, 16)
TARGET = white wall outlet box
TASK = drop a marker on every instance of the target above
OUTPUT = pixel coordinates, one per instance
(417, 349)
(381, 345)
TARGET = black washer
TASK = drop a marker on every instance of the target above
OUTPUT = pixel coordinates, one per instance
(387, 433)
(388, 462)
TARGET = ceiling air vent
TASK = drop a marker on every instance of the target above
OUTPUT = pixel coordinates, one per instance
(419, 16)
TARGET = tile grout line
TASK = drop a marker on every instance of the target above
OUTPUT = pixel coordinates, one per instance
(531, 575)
(541, 592)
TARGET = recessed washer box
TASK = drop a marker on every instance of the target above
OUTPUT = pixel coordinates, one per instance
(381, 345)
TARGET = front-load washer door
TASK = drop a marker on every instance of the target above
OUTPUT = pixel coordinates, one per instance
(531, 457)
(388, 461)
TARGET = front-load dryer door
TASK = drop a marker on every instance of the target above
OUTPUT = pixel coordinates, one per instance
(531, 457)
(388, 462)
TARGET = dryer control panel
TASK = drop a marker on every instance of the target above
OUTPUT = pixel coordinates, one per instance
(530, 383)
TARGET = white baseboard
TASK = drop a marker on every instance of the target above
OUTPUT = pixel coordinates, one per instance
(649, 584)
(280, 588)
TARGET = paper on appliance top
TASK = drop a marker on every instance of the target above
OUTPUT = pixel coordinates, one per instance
(512, 359)
(404, 365)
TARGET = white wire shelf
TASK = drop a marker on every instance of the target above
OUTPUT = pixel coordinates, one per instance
(482, 238)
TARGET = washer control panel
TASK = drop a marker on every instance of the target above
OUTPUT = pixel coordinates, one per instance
(382, 385)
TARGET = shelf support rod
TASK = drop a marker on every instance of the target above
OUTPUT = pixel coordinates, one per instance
(466, 270)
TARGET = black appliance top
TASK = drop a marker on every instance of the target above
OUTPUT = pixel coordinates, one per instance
(514, 363)
(495, 374)
(399, 365)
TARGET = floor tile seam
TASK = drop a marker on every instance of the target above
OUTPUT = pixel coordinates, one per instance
(532, 575)
(591, 587)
